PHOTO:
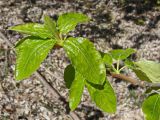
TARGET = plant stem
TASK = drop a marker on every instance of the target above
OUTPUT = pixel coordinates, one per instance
(122, 68)
(114, 69)
(117, 65)
(143, 84)
(60, 36)
(124, 77)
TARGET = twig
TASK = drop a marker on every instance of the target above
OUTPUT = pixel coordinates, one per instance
(143, 84)
(154, 85)
(50, 88)
(54, 92)
(2, 37)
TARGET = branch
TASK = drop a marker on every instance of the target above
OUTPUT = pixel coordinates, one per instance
(2, 37)
(50, 88)
(143, 84)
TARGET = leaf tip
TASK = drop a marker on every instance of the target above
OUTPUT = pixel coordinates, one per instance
(46, 17)
(71, 106)
(11, 28)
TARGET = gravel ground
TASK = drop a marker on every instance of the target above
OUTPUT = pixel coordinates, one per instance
(112, 26)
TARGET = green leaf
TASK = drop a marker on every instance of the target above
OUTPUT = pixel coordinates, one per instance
(85, 59)
(33, 29)
(30, 53)
(68, 21)
(141, 75)
(103, 96)
(150, 70)
(76, 84)
(76, 91)
(120, 54)
(151, 107)
(130, 64)
(107, 58)
(69, 74)
(50, 25)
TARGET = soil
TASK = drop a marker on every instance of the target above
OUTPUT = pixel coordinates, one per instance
(114, 24)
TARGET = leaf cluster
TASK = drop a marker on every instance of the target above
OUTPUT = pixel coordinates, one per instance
(145, 70)
(87, 68)
(87, 65)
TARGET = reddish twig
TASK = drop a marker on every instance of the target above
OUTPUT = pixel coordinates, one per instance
(134, 81)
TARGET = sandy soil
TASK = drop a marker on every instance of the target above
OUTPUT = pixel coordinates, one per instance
(113, 25)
